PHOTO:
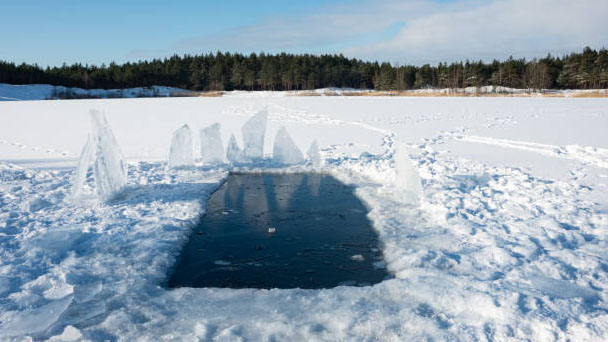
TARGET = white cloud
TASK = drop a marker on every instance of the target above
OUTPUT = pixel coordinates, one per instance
(497, 29)
(432, 32)
(329, 26)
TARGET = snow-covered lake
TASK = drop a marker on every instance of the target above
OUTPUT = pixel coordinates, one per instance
(507, 244)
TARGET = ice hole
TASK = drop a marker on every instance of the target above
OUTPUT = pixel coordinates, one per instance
(281, 231)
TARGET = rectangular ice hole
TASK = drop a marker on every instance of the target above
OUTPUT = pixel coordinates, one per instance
(303, 230)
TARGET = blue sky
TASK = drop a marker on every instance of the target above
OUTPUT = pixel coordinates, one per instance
(404, 31)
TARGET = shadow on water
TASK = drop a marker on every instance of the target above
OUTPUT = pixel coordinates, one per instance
(281, 231)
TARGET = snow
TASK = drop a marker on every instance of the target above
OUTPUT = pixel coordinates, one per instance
(180, 154)
(212, 149)
(508, 242)
(285, 151)
(253, 136)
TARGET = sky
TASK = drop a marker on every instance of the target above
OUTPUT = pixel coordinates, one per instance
(397, 31)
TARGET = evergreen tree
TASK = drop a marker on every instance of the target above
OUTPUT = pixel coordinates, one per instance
(225, 71)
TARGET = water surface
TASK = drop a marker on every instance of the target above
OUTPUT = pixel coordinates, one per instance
(322, 237)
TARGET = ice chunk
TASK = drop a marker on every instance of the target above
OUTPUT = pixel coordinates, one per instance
(406, 175)
(230, 334)
(253, 136)
(108, 166)
(233, 152)
(86, 292)
(69, 334)
(78, 313)
(314, 158)
(37, 204)
(59, 289)
(357, 257)
(180, 154)
(285, 150)
(84, 163)
(35, 320)
(212, 149)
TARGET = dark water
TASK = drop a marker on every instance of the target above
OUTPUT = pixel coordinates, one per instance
(322, 239)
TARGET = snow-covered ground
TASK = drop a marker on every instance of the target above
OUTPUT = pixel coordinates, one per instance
(507, 244)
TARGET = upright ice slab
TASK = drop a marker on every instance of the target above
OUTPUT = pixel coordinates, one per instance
(109, 168)
(180, 155)
(212, 149)
(84, 163)
(314, 158)
(285, 150)
(233, 152)
(406, 175)
(101, 151)
(253, 136)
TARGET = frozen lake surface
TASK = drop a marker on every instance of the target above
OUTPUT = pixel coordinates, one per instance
(281, 231)
(509, 241)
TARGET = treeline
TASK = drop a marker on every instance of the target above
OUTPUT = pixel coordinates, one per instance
(227, 71)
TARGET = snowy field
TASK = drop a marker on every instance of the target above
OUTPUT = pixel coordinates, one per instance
(508, 242)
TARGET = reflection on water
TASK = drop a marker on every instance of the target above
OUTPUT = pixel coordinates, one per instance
(321, 236)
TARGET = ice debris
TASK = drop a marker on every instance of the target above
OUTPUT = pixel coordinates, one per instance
(69, 334)
(34, 321)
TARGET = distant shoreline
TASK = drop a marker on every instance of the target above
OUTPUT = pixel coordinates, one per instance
(298, 72)
(33, 92)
